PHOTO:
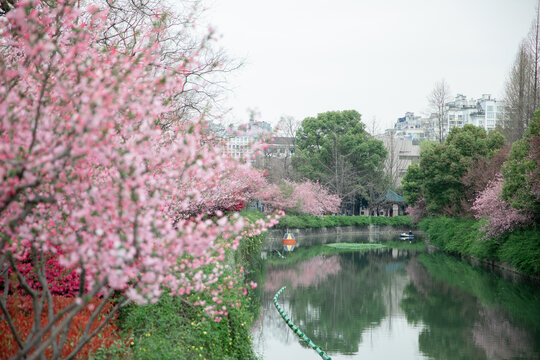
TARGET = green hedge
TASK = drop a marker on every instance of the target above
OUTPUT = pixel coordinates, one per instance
(520, 248)
(312, 221)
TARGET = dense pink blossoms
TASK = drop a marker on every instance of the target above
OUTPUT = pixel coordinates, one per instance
(304, 198)
(84, 167)
(501, 217)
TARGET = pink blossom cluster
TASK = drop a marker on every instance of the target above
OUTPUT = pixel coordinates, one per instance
(305, 198)
(85, 169)
(236, 183)
(501, 217)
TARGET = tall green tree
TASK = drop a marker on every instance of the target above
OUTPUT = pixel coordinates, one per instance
(335, 149)
(521, 171)
(438, 178)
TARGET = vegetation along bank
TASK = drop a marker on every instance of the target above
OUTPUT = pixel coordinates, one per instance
(179, 328)
(312, 221)
(518, 250)
(478, 197)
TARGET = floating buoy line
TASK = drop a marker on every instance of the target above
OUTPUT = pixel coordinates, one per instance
(295, 328)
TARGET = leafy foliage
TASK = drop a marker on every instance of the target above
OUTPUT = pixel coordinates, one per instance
(438, 178)
(521, 171)
(308, 221)
(520, 248)
(171, 328)
(335, 149)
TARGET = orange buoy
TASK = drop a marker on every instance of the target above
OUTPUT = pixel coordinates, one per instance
(289, 242)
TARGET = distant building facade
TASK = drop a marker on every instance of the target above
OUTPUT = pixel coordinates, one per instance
(402, 152)
(485, 112)
(237, 140)
(414, 128)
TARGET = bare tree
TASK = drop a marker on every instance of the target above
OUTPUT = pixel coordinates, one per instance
(438, 98)
(374, 126)
(180, 41)
(277, 158)
(534, 48)
(518, 98)
(287, 127)
(522, 97)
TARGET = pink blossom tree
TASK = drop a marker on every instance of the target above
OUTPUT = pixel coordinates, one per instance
(501, 217)
(86, 172)
(235, 183)
(305, 198)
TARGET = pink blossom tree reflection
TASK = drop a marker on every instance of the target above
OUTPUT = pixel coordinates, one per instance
(307, 273)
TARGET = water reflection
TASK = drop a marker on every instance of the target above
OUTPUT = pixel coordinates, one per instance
(391, 303)
(485, 316)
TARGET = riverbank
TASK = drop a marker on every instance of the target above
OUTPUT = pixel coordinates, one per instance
(518, 251)
(176, 328)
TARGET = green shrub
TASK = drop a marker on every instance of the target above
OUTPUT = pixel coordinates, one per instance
(391, 221)
(312, 221)
(521, 248)
(174, 329)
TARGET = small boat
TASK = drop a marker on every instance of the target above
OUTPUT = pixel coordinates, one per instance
(408, 235)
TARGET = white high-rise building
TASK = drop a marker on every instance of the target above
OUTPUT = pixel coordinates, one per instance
(414, 128)
(485, 112)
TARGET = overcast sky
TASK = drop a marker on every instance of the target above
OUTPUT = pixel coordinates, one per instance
(379, 57)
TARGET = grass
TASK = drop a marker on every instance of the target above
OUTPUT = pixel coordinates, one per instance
(171, 329)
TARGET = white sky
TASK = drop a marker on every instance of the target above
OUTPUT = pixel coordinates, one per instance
(379, 57)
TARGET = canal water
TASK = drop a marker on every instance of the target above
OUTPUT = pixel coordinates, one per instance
(395, 304)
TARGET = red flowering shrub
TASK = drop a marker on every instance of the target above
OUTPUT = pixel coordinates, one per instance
(61, 281)
(22, 315)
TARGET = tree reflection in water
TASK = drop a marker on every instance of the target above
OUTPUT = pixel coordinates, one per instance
(337, 297)
(458, 324)
(413, 306)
